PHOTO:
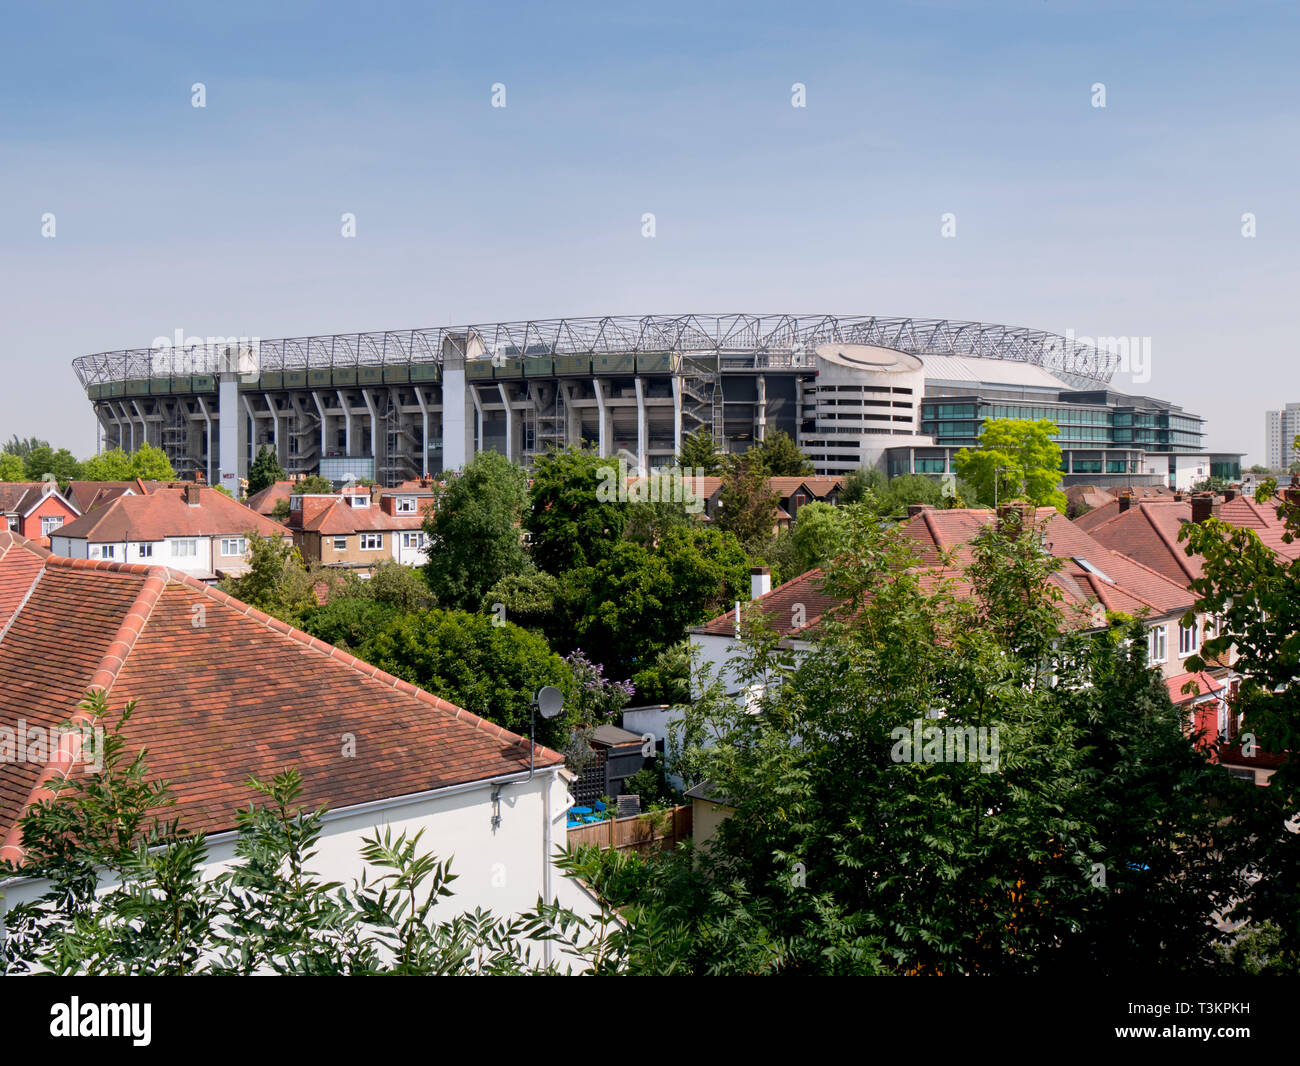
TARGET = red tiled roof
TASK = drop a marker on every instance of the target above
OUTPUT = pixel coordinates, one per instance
(780, 608)
(264, 502)
(86, 495)
(1115, 581)
(241, 695)
(1205, 686)
(164, 513)
(21, 562)
(337, 517)
(12, 493)
(1148, 532)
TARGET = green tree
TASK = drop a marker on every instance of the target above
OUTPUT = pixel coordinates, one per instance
(527, 600)
(1016, 458)
(819, 532)
(747, 505)
(576, 509)
(151, 464)
(1253, 593)
(778, 454)
(313, 485)
(23, 447)
(265, 471)
(277, 580)
(111, 465)
(700, 454)
(43, 460)
(492, 670)
(473, 531)
(11, 467)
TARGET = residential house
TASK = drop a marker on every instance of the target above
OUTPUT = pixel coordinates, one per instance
(226, 693)
(185, 525)
(1093, 580)
(35, 509)
(87, 495)
(357, 530)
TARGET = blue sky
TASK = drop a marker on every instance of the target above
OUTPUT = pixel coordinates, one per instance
(1123, 221)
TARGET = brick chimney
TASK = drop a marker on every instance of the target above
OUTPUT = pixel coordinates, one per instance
(1178, 495)
(1125, 501)
(760, 582)
(192, 494)
(1204, 505)
(914, 509)
(1229, 494)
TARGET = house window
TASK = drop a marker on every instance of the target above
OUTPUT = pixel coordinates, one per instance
(49, 523)
(406, 505)
(145, 551)
(1159, 646)
(106, 551)
(372, 541)
(412, 540)
(340, 544)
(359, 501)
(1187, 639)
(185, 549)
(233, 545)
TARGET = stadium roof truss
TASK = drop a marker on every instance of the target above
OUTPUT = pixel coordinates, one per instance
(771, 340)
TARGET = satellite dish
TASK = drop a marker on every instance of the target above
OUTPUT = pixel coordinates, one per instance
(550, 701)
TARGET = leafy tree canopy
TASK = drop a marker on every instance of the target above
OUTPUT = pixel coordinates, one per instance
(265, 471)
(1016, 458)
(576, 509)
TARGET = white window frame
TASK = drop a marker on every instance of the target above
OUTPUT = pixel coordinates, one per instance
(413, 540)
(377, 545)
(144, 551)
(175, 546)
(405, 505)
(334, 542)
(1188, 639)
(1158, 639)
(240, 542)
(49, 523)
(357, 500)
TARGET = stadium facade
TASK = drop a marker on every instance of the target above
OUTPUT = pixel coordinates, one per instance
(901, 394)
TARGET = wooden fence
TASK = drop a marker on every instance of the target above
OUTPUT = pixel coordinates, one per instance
(641, 832)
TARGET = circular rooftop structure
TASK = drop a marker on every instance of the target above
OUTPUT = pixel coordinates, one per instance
(869, 357)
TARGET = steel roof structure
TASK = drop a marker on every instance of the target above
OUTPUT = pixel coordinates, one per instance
(785, 339)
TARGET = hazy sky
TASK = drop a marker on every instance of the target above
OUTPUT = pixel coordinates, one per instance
(225, 220)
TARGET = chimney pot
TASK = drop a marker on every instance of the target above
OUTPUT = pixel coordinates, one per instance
(1229, 494)
(914, 509)
(1125, 501)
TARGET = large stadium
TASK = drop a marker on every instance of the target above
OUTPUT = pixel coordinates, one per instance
(901, 394)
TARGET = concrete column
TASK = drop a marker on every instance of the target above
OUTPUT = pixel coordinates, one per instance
(374, 428)
(603, 419)
(642, 444)
(231, 432)
(760, 430)
(347, 421)
(458, 442)
(478, 421)
(280, 457)
(510, 421)
(207, 423)
(424, 413)
(144, 425)
(324, 421)
(248, 444)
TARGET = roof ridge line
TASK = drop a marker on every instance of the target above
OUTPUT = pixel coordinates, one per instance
(369, 670)
(61, 762)
(21, 604)
(1150, 570)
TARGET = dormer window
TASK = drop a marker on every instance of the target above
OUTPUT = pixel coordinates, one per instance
(359, 501)
(405, 505)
